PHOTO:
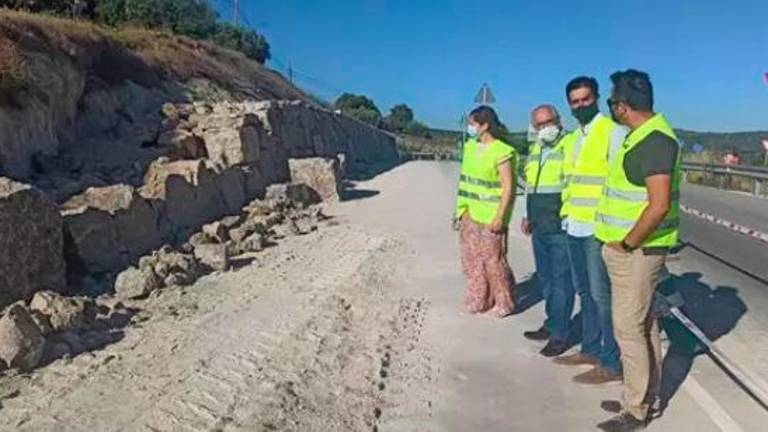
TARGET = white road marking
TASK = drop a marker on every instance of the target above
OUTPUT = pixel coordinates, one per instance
(714, 410)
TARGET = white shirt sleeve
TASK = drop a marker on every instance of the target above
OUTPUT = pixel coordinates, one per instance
(618, 136)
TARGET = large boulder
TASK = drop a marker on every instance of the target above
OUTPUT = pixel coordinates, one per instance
(21, 342)
(136, 283)
(214, 256)
(322, 175)
(110, 227)
(188, 191)
(280, 195)
(182, 144)
(63, 313)
(231, 139)
(31, 243)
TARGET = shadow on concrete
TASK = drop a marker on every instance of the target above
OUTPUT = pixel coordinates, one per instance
(715, 310)
(527, 295)
(357, 194)
(364, 171)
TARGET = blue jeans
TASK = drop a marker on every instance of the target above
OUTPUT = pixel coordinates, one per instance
(590, 277)
(550, 251)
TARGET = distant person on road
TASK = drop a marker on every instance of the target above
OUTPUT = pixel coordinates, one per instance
(484, 207)
(637, 220)
(731, 158)
(544, 184)
(589, 149)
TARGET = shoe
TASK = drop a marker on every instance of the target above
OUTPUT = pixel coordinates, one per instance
(614, 407)
(554, 348)
(576, 359)
(611, 406)
(538, 335)
(624, 422)
(596, 376)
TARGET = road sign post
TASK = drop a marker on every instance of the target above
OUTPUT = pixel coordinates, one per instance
(484, 95)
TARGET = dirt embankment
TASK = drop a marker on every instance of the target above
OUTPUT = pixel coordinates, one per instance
(118, 146)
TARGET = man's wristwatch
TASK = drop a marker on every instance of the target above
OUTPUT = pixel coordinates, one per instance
(627, 247)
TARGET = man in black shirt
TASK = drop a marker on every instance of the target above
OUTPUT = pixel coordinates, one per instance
(637, 219)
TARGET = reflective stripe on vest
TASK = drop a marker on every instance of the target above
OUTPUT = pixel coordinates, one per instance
(636, 196)
(584, 202)
(479, 182)
(623, 202)
(479, 197)
(593, 180)
(544, 175)
(618, 222)
(586, 171)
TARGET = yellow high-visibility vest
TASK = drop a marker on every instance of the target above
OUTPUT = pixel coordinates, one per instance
(545, 175)
(622, 202)
(586, 172)
(480, 183)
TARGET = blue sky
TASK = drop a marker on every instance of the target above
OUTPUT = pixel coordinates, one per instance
(706, 58)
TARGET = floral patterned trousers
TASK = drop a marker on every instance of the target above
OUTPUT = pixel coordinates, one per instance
(484, 262)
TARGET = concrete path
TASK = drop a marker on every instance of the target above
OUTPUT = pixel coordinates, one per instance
(489, 377)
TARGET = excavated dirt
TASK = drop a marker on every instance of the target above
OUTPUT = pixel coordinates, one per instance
(312, 335)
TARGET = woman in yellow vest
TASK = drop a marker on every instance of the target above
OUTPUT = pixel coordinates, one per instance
(484, 207)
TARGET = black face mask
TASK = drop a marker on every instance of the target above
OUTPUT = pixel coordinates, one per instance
(613, 113)
(585, 114)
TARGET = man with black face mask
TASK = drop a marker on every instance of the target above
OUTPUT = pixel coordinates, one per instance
(586, 165)
(637, 219)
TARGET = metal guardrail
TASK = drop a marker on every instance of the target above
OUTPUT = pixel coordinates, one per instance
(757, 174)
(447, 156)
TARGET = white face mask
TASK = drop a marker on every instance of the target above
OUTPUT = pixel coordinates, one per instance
(549, 134)
(472, 131)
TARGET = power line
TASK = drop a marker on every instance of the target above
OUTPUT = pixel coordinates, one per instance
(287, 67)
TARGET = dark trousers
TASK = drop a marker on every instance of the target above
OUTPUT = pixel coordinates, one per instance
(553, 277)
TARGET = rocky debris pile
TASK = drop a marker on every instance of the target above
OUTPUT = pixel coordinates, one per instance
(53, 326)
(218, 157)
(287, 210)
(31, 243)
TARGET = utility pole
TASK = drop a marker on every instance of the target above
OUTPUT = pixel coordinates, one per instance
(235, 11)
(290, 72)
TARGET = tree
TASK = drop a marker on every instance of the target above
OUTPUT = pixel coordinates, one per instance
(359, 107)
(418, 129)
(250, 43)
(399, 118)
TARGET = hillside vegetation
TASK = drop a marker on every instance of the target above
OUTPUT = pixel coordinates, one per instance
(111, 55)
(192, 18)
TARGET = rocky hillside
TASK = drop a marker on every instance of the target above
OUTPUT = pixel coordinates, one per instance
(114, 143)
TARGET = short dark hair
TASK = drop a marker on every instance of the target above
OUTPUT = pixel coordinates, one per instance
(487, 115)
(633, 88)
(579, 82)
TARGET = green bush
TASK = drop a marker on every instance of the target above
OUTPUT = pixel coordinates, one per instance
(418, 129)
(250, 43)
(400, 118)
(192, 18)
(359, 107)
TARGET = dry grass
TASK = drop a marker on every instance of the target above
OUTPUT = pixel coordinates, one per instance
(13, 70)
(143, 56)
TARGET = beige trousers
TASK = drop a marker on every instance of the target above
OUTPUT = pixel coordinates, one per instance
(634, 277)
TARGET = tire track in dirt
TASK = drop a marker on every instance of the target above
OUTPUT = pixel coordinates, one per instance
(312, 336)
